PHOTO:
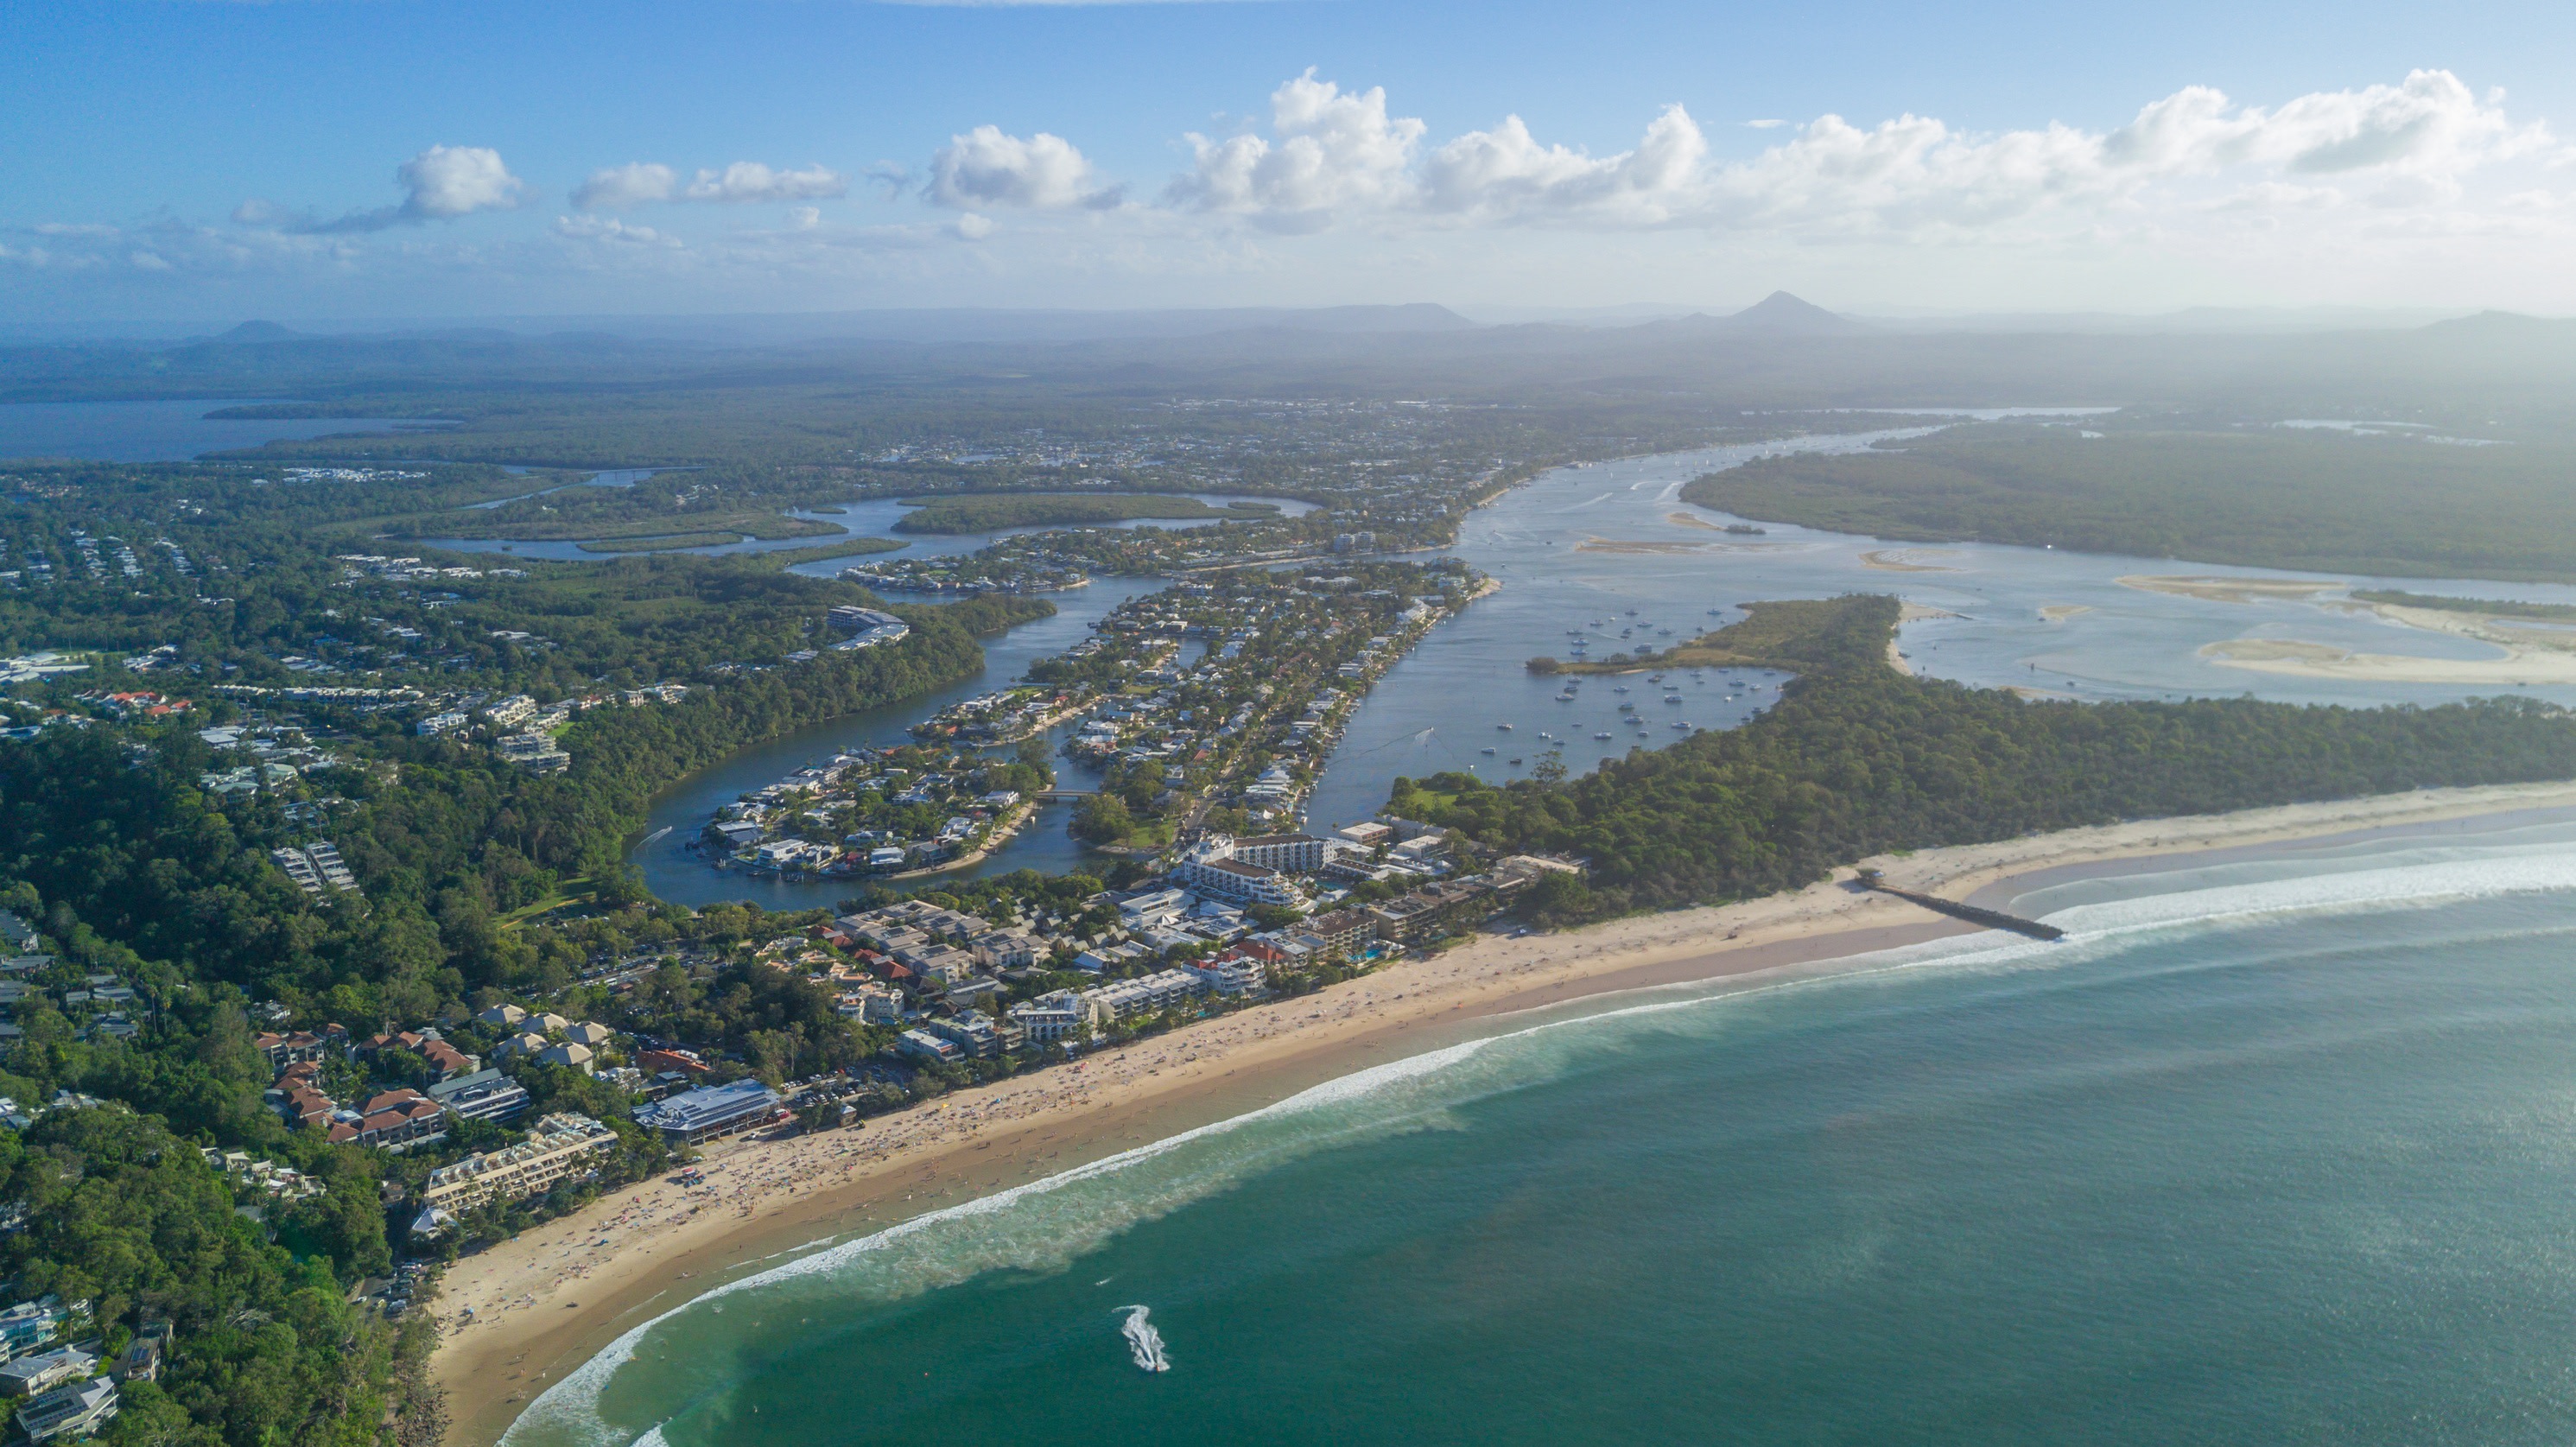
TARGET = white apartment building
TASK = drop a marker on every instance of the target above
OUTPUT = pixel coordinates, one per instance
(561, 1146)
(1140, 996)
(1050, 1017)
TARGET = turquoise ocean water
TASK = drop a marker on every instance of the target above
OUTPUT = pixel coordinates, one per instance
(2264, 1153)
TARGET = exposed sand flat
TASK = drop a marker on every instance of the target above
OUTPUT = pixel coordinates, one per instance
(1917, 612)
(1906, 560)
(2299, 658)
(1691, 520)
(2231, 590)
(2501, 628)
(2060, 612)
(1897, 660)
(542, 1303)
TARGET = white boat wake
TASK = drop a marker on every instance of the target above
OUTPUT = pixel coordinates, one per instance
(1145, 1343)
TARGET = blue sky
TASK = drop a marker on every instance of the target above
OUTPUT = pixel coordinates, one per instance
(201, 159)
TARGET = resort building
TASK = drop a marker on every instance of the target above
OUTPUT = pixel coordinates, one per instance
(1142, 995)
(1344, 931)
(923, 1045)
(1229, 974)
(1049, 1017)
(562, 1146)
(1287, 853)
(396, 1120)
(481, 1095)
(1430, 912)
(709, 1112)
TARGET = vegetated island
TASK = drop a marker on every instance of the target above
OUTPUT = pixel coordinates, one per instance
(2317, 500)
(1857, 759)
(987, 512)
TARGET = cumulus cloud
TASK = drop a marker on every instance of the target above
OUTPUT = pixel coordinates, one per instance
(1504, 172)
(1328, 151)
(1914, 172)
(752, 181)
(1331, 154)
(615, 188)
(440, 184)
(451, 181)
(989, 167)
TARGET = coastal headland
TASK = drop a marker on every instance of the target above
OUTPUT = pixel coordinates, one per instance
(514, 1319)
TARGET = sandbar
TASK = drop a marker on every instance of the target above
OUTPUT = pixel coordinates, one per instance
(1902, 560)
(2231, 590)
(2299, 658)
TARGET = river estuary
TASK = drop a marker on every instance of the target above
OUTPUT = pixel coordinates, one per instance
(1580, 547)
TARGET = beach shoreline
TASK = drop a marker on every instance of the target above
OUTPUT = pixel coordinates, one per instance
(546, 1301)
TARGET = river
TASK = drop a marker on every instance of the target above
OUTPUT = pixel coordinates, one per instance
(160, 431)
(1584, 545)
(873, 519)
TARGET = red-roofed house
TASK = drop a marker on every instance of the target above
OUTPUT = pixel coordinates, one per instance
(654, 1062)
(394, 1120)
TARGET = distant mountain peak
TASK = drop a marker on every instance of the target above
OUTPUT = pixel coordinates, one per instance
(1781, 314)
(257, 332)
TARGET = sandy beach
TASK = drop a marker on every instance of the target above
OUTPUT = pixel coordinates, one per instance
(517, 1317)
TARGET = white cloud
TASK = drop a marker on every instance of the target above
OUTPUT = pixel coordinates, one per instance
(1333, 155)
(989, 167)
(615, 188)
(971, 227)
(451, 181)
(1328, 151)
(1914, 173)
(610, 229)
(1502, 173)
(752, 181)
(440, 184)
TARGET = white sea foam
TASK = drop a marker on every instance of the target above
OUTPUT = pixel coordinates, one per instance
(1010, 1229)
(1143, 1342)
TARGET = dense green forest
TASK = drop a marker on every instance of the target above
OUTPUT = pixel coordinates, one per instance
(1857, 759)
(2314, 499)
(127, 1217)
(984, 512)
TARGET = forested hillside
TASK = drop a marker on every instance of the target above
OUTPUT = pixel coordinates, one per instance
(2316, 499)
